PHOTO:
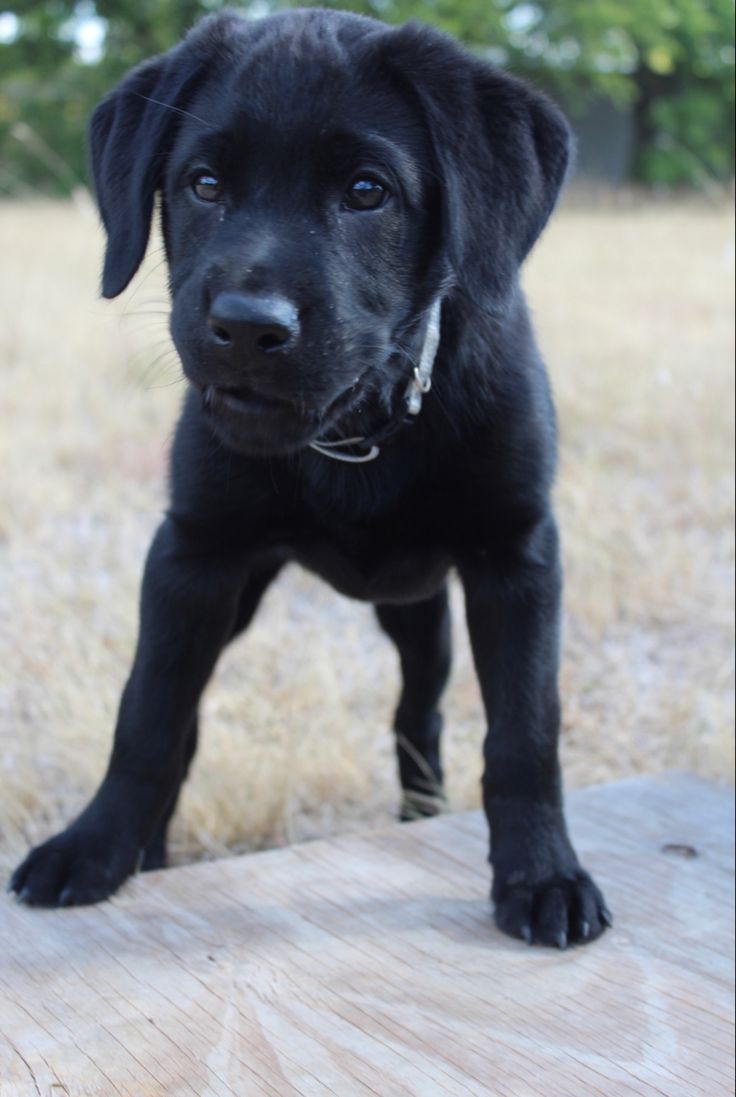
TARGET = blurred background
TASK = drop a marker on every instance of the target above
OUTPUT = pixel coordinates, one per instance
(632, 289)
(649, 84)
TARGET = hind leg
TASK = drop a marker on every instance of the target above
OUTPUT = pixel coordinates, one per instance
(421, 632)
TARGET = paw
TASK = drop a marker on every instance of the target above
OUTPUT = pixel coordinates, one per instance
(421, 805)
(559, 910)
(74, 868)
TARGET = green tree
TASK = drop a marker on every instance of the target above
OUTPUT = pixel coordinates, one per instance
(672, 61)
(48, 89)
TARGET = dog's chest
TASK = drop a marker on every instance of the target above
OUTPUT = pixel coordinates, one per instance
(375, 569)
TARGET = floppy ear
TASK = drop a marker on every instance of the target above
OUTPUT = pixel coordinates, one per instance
(502, 150)
(131, 133)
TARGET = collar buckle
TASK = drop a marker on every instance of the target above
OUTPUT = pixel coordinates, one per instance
(421, 380)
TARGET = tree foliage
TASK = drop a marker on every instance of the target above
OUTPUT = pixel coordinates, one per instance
(670, 63)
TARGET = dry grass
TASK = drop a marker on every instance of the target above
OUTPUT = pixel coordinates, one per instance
(634, 309)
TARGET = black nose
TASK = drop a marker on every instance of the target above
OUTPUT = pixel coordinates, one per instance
(252, 324)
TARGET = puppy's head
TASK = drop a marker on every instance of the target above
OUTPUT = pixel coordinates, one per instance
(324, 180)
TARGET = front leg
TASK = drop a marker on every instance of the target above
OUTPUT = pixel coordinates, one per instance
(539, 889)
(189, 602)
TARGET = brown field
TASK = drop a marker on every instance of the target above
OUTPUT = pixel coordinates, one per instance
(634, 308)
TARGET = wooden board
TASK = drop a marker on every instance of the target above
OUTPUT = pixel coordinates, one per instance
(369, 965)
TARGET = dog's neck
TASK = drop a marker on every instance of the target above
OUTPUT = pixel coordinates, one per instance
(419, 384)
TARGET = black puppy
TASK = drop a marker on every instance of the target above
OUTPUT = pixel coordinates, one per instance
(345, 208)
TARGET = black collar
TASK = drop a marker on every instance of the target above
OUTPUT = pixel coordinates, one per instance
(367, 448)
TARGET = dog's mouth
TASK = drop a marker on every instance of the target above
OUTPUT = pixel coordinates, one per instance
(242, 401)
(250, 421)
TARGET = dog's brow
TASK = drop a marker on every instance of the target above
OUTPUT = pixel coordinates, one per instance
(370, 141)
(375, 144)
(170, 106)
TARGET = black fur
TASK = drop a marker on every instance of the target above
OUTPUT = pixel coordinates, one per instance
(286, 114)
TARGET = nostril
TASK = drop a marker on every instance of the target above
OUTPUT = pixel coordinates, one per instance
(221, 336)
(273, 340)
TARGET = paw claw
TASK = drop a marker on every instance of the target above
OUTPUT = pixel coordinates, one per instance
(558, 910)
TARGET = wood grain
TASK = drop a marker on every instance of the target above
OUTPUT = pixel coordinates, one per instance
(369, 965)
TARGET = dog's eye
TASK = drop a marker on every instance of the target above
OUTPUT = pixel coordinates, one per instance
(365, 194)
(206, 187)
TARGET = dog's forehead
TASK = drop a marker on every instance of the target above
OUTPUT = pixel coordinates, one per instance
(290, 89)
